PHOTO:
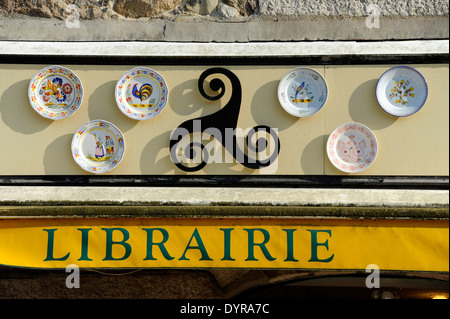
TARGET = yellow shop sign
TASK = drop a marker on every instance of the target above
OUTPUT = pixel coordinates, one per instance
(225, 243)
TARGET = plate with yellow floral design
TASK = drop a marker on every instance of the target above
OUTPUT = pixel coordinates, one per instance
(402, 91)
(55, 92)
(98, 146)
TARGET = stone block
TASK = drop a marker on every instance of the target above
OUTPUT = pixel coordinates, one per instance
(245, 7)
(144, 8)
(203, 7)
(226, 11)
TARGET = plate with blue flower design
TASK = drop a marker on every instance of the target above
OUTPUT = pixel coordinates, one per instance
(55, 92)
(98, 146)
(141, 93)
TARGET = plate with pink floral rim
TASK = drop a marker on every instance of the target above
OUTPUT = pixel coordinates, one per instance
(352, 147)
(141, 93)
(302, 92)
(55, 92)
(98, 146)
(402, 91)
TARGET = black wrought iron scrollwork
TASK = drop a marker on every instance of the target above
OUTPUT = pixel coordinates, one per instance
(219, 125)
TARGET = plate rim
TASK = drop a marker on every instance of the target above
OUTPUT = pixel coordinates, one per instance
(96, 121)
(406, 67)
(46, 116)
(355, 171)
(303, 68)
(119, 103)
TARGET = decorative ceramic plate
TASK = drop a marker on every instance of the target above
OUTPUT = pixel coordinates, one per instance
(55, 92)
(98, 146)
(302, 92)
(352, 147)
(402, 91)
(141, 93)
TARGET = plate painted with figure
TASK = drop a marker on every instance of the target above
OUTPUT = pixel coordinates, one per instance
(98, 146)
(141, 93)
(55, 92)
(302, 92)
(352, 147)
(402, 91)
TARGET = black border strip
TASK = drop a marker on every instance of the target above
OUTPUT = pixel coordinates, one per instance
(208, 61)
(280, 181)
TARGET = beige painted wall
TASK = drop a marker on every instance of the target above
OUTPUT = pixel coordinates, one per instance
(415, 145)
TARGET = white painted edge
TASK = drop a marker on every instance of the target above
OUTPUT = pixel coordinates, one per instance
(202, 196)
(258, 49)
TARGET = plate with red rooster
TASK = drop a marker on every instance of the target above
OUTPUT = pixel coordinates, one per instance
(352, 147)
(55, 92)
(302, 92)
(141, 93)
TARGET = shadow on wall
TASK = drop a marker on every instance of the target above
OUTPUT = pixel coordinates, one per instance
(102, 106)
(266, 108)
(370, 113)
(192, 100)
(314, 151)
(58, 157)
(17, 113)
(155, 158)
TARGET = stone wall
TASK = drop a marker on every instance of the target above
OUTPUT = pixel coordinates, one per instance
(221, 9)
(222, 20)
(129, 9)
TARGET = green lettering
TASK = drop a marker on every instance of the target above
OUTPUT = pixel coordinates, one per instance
(200, 247)
(315, 244)
(262, 246)
(84, 243)
(160, 245)
(227, 244)
(290, 244)
(110, 242)
(50, 245)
